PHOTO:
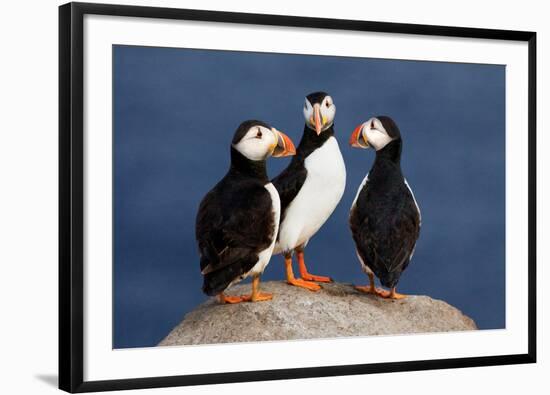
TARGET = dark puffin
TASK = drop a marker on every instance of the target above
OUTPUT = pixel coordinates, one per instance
(310, 187)
(238, 220)
(384, 218)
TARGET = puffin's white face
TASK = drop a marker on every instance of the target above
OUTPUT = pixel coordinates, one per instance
(260, 142)
(320, 117)
(371, 133)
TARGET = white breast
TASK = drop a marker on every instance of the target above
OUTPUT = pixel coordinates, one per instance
(317, 199)
(265, 255)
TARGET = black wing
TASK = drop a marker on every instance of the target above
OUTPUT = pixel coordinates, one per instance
(385, 231)
(235, 222)
(289, 183)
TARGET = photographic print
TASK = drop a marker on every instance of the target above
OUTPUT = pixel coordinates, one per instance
(265, 197)
(249, 197)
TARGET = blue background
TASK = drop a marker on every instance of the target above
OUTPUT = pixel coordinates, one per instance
(175, 112)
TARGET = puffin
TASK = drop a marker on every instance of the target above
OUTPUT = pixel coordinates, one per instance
(238, 220)
(384, 218)
(310, 187)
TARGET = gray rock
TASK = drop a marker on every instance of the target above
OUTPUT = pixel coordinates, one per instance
(295, 313)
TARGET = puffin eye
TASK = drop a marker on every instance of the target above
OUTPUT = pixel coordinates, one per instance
(327, 103)
(259, 134)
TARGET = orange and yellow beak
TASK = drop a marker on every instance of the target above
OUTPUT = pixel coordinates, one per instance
(316, 120)
(357, 139)
(284, 146)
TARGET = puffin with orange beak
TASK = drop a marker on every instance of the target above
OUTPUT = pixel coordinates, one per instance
(384, 217)
(310, 187)
(238, 220)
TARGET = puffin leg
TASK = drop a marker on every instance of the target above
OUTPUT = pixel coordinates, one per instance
(303, 270)
(298, 281)
(371, 288)
(230, 299)
(392, 294)
(256, 295)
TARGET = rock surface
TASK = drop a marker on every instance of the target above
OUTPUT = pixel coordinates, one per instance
(295, 313)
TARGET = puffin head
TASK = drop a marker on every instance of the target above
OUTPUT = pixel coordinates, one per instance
(377, 132)
(319, 111)
(256, 140)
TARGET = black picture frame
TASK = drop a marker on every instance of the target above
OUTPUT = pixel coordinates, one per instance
(71, 180)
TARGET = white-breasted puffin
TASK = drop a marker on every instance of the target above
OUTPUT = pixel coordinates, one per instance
(238, 220)
(310, 187)
(384, 217)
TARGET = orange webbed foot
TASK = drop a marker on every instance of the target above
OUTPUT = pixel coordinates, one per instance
(259, 297)
(231, 299)
(255, 296)
(370, 289)
(298, 282)
(320, 279)
(393, 294)
(305, 274)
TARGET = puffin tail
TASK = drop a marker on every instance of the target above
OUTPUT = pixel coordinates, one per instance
(210, 290)
(236, 263)
(215, 283)
(215, 275)
(389, 279)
